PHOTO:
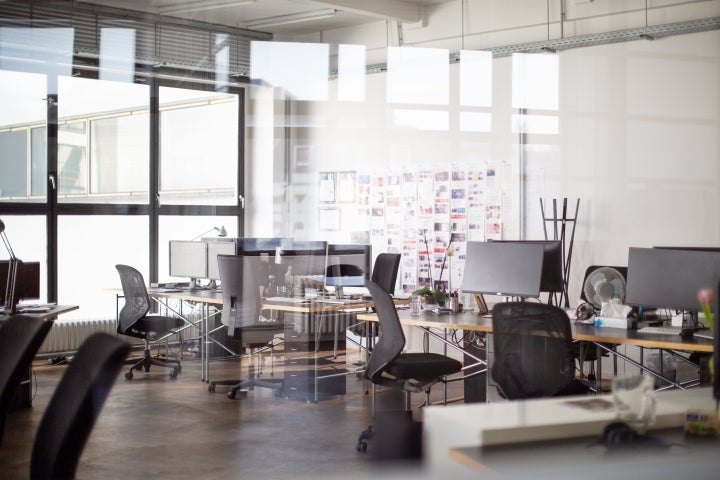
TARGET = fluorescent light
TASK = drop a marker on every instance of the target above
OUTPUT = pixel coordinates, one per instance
(292, 18)
(199, 5)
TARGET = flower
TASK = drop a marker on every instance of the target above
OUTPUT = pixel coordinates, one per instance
(705, 296)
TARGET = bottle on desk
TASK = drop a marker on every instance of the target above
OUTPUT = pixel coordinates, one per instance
(289, 281)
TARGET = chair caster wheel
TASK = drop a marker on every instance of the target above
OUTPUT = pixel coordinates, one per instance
(231, 395)
(129, 375)
(173, 373)
(178, 368)
(362, 446)
(211, 388)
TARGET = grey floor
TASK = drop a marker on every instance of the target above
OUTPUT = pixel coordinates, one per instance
(156, 427)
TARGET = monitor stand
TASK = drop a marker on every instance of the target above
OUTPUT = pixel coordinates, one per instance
(339, 292)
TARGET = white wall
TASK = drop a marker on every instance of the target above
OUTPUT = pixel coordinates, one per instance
(636, 141)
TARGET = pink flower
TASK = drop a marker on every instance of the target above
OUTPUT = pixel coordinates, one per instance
(705, 296)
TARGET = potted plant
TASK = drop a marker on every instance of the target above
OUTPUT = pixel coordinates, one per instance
(436, 294)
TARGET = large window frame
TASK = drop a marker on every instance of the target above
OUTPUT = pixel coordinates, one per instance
(52, 209)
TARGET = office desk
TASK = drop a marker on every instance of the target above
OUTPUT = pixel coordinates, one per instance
(305, 334)
(599, 336)
(450, 433)
(23, 395)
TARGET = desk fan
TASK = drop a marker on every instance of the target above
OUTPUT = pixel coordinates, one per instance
(603, 284)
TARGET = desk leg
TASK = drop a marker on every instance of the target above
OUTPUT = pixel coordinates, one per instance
(598, 377)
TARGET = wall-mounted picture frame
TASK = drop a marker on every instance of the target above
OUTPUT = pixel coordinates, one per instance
(302, 157)
(326, 187)
(329, 219)
(346, 187)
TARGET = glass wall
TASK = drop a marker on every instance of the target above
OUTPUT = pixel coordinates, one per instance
(22, 136)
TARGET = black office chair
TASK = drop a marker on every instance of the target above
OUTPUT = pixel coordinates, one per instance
(20, 338)
(134, 321)
(385, 271)
(239, 278)
(534, 355)
(388, 366)
(75, 405)
(384, 274)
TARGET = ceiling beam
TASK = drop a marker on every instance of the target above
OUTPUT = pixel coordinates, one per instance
(397, 10)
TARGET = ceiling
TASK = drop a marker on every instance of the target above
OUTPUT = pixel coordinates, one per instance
(339, 13)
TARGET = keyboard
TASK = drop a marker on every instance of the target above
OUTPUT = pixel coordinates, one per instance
(660, 330)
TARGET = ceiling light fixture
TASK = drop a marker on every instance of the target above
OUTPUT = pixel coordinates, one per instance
(292, 18)
(198, 6)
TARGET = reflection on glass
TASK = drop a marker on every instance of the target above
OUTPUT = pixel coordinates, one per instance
(475, 78)
(535, 81)
(300, 70)
(198, 147)
(37, 50)
(475, 122)
(117, 54)
(88, 257)
(72, 159)
(27, 236)
(351, 73)
(222, 61)
(103, 141)
(542, 124)
(22, 121)
(432, 120)
(418, 76)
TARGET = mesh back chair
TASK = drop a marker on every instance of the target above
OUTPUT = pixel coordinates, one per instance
(534, 355)
(134, 321)
(75, 405)
(240, 279)
(389, 367)
(20, 338)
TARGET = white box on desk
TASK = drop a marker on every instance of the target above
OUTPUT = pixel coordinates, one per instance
(625, 323)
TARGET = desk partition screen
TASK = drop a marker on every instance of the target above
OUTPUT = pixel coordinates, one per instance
(503, 268)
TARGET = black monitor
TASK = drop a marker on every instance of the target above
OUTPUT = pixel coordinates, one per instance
(348, 265)
(188, 259)
(27, 282)
(670, 278)
(503, 268)
(551, 279)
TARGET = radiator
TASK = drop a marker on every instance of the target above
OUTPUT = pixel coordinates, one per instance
(66, 335)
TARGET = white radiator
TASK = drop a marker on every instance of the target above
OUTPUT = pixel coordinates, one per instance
(67, 335)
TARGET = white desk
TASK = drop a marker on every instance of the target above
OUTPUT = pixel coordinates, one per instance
(448, 427)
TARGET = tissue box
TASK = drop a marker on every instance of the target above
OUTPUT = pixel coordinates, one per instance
(625, 323)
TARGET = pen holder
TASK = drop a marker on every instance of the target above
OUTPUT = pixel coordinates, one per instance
(455, 304)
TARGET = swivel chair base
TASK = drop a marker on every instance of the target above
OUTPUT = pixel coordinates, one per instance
(147, 360)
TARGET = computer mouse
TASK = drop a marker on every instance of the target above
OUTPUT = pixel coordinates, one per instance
(686, 333)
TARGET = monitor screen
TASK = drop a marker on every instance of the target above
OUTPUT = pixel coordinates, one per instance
(188, 259)
(551, 279)
(503, 268)
(670, 278)
(27, 283)
(348, 265)
(213, 250)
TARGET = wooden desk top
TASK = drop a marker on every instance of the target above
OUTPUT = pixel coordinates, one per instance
(589, 333)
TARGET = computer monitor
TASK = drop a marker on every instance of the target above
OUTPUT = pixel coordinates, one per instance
(213, 250)
(670, 278)
(503, 268)
(188, 259)
(348, 265)
(27, 281)
(552, 278)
